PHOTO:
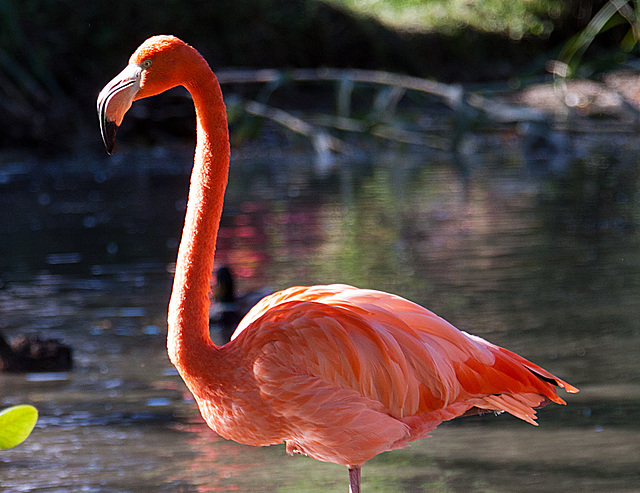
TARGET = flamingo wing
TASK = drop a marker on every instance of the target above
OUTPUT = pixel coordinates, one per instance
(337, 361)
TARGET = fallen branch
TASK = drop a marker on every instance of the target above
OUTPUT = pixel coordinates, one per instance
(505, 113)
(451, 94)
(297, 125)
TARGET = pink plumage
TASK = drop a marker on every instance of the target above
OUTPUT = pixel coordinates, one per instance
(357, 372)
(338, 373)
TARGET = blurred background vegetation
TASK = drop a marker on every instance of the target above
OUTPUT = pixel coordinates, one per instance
(55, 55)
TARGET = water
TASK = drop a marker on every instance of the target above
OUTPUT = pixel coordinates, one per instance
(536, 255)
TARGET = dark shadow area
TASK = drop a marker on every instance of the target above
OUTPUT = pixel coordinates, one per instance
(55, 57)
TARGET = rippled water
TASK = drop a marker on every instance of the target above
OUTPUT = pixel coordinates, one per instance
(542, 261)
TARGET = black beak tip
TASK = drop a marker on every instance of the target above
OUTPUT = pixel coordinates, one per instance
(109, 130)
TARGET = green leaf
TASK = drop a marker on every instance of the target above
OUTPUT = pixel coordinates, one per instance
(612, 14)
(16, 424)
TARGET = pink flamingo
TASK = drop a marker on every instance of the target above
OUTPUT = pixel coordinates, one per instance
(338, 373)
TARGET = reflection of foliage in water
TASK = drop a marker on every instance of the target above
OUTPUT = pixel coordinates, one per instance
(486, 254)
(364, 240)
(597, 196)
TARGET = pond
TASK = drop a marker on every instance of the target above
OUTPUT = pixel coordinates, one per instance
(537, 255)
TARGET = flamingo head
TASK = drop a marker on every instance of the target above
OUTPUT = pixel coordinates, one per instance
(156, 66)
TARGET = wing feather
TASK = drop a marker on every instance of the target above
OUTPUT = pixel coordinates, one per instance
(339, 361)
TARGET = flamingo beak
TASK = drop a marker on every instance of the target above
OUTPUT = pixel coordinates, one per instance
(115, 100)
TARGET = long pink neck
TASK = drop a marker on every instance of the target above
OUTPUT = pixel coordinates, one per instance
(188, 342)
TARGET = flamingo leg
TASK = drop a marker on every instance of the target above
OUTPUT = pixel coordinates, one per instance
(354, 479)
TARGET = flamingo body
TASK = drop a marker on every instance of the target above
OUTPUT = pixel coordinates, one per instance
(338, 373)
(342, 374)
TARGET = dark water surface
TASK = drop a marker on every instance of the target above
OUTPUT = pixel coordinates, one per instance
(538, 255)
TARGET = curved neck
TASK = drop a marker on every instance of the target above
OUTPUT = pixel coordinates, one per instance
(188, 320)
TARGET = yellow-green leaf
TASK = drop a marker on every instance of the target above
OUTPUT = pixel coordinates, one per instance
(16, 424)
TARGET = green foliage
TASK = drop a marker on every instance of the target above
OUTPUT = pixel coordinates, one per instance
(515, 18)
(614, 13)
(16, 424)
(55, 55)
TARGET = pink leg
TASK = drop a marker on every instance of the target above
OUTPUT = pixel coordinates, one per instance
(354, 479)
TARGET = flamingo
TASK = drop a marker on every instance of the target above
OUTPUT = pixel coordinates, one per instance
(339, 373)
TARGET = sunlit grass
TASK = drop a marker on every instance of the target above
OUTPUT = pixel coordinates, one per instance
(517, 18)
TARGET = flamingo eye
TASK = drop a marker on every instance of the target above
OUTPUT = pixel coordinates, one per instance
(146, 63)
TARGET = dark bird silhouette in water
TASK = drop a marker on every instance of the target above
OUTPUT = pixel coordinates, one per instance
(228, 308)
(33, 354)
